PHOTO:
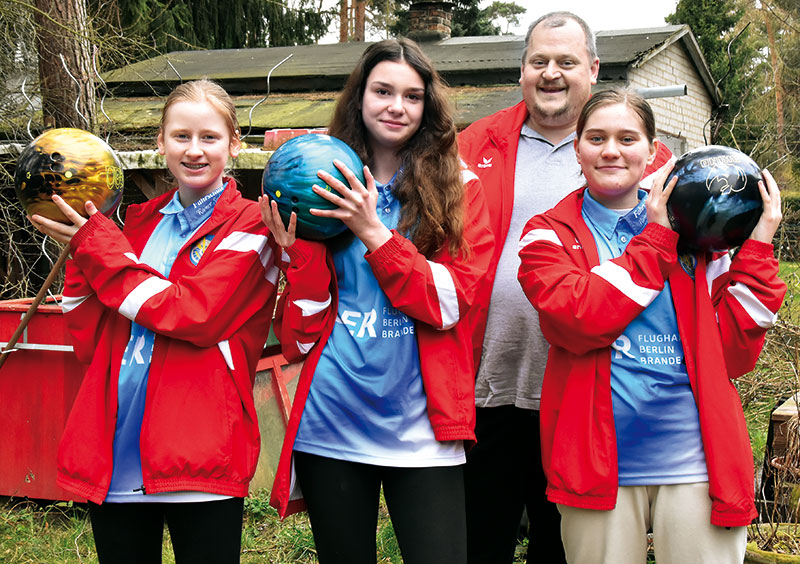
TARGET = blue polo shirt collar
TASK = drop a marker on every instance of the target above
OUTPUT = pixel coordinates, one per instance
(607, 221)
(193, 216)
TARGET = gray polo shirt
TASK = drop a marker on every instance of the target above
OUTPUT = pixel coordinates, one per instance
(514, 350)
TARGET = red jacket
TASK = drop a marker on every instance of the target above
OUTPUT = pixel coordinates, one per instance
(435, 293)
(211, 321)
(723, 315)
(490, 147)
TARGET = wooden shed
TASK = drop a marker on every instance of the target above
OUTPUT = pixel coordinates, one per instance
(483, 73)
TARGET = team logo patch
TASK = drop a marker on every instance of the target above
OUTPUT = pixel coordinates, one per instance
(688, 262)
(199, 248)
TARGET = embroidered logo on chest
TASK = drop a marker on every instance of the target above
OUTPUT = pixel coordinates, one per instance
(199, 249)
(688, 262)
(487, 162)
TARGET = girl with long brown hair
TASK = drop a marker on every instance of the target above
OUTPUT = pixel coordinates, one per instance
(385, 397)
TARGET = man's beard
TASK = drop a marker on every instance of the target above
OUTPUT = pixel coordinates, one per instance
(546, 114)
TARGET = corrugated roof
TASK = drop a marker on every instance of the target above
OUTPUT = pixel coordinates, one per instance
(625, 46)
(462, 61)
(311, 67)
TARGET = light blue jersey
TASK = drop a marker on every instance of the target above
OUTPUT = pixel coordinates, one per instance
(366, 402)
(655, 414)
(170, 235)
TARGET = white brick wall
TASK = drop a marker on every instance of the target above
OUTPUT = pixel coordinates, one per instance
(682, 117)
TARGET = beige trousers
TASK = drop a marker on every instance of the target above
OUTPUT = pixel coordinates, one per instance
(678, 516)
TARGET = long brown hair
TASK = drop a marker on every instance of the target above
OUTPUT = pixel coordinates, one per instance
(430, 189)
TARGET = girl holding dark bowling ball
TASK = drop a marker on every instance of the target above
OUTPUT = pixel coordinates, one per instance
(385, 398)
(642, 429)
(170, 315)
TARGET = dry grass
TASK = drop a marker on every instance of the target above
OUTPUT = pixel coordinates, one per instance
(776, 378)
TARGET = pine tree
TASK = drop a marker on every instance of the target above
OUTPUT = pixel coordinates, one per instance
(468, 19)
(171, 25)
(65, 75)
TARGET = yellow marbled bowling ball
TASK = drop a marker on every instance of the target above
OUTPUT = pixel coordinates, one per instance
(73, 163)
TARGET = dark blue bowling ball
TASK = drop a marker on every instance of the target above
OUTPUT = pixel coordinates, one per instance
(716, 203)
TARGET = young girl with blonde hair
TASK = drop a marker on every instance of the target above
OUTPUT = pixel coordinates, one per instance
(170, 315)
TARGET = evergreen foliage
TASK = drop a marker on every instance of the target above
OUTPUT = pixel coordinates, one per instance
(173, 25)
(468, 19)
(508, 11)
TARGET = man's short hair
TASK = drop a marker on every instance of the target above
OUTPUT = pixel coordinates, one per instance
(558, 19)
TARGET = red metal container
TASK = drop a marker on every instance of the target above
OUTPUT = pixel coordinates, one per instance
(38, 384)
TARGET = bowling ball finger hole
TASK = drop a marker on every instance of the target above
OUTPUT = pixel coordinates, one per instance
(56, 167)
(295, 199)
(57, 157)
(295, 209)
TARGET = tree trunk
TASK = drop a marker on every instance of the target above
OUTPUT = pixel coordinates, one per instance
(778, 82)
(361, 7)
(344, 21)
(62, 31)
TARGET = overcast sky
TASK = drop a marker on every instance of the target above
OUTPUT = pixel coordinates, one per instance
(600, 15)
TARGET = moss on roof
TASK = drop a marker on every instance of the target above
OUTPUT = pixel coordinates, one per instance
(301, 110)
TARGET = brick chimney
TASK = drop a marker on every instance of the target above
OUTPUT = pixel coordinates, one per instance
(430, 21)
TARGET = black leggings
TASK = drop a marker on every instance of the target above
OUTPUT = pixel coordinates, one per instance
(426, 506)
(204, 532)
(504, 474)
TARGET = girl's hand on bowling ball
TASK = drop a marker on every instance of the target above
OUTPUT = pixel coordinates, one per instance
(771, 216)
(63, 232)
(272, 219)
(656, 203)
(356, 205)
